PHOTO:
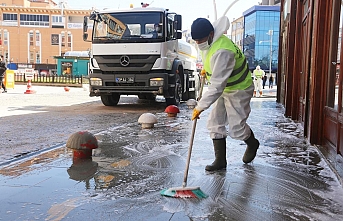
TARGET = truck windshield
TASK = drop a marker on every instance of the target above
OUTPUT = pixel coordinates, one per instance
(128, 27)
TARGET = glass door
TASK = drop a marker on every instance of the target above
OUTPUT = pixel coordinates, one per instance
(333, 128)
(304, 65)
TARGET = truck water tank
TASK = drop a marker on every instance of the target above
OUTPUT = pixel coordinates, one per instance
(187, 50)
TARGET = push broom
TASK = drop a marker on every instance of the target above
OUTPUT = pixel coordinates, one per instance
(184, 191)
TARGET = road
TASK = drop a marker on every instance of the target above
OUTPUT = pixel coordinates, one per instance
(33, 122)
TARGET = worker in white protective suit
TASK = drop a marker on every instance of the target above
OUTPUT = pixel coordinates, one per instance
(258, 75)
(229, 92)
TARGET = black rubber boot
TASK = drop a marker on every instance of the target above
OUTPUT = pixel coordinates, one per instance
(220, 155)
(251, 150)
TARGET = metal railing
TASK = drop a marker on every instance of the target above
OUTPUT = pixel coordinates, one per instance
(54, 79)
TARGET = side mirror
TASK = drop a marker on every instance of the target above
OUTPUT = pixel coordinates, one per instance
(85, 24)
(92, 16)
(178, 22)
(85, 36)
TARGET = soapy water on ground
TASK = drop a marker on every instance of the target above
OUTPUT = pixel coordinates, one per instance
(287, 181)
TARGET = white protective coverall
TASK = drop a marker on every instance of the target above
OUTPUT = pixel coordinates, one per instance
(258, 78)
(229, 108)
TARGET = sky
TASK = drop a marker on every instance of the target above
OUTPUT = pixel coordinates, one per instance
(189, 9)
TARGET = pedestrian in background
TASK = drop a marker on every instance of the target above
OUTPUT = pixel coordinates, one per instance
(264, 80)
(258, 74)
(2, 73)
(271, 81)
(229, 92)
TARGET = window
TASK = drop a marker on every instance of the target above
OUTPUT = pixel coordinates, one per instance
(5, 37)
(63, 39)
(128, 27)
(335, 71)
(257, 43)
(55, 39)
(57, 19)
(69, 39)
(31, 58)
(31, 38)
(234, 26)
(10, 17)
(170, 26)
(37, 58)
(34, 20)
(37, 38)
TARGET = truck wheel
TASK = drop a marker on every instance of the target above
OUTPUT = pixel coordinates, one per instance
(110, 100)
(185, 83)
(193, 95)
(176, 93)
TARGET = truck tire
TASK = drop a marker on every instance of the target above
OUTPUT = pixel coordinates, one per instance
(110, 99)
(176, 92)
(193, 95)
(185, 83)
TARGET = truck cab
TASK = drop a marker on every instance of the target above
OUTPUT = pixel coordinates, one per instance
(139, 51)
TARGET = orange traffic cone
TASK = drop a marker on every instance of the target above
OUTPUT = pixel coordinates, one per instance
(28, 89)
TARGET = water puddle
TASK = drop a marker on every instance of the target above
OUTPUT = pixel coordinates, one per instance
(287, 181)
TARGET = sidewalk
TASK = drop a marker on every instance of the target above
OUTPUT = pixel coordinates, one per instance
(268, 92)
(44, 95)
(288, 180)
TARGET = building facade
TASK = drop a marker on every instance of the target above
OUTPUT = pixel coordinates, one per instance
(34, 31)
(237, 31)
(310, 83)
(261, 31)
(270, 2)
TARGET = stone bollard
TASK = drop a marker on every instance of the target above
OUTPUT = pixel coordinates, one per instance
(147, 120)
(191, 103)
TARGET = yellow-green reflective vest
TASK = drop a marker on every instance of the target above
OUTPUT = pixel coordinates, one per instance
(240, 78)
(258, 73)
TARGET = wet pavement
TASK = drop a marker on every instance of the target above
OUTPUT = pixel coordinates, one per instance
(288, 180)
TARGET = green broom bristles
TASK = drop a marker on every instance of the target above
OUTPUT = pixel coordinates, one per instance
(184, 192)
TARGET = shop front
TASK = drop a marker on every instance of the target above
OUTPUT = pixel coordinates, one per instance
(310, 77)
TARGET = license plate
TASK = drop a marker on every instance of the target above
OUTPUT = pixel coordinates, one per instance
(125, 80)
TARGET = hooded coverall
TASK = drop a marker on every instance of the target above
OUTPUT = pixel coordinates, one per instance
(230, 107)
(258, 74)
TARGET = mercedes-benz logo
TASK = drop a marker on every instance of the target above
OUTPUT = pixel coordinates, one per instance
(124, 60)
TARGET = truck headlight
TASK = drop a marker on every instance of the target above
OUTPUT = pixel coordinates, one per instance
(156, 82)
(96, 82)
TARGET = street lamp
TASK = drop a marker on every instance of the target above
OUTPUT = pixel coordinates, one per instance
(215, 9)
(228, 8)
(270, 32)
